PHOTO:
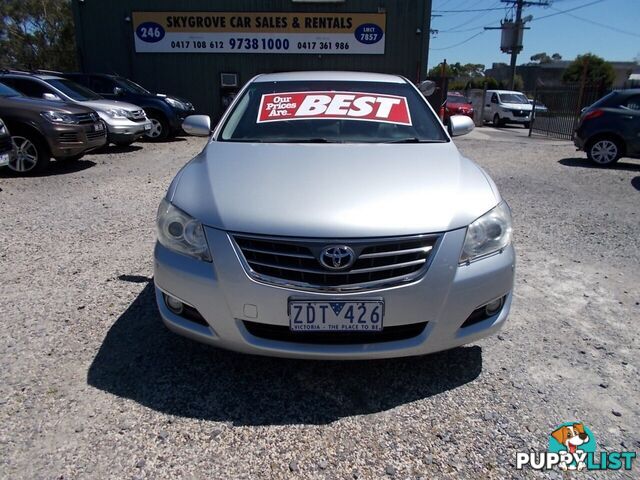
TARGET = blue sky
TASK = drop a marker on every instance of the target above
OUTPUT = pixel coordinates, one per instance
(561, 33)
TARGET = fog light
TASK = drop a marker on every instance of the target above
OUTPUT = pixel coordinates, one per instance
(175, 305)
(494, 307)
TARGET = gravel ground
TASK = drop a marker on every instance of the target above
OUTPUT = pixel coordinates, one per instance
(92, 385)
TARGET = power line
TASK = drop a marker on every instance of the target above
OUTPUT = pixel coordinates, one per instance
(469, 10)
(460, 43)
(466, 22)
(560, 12)
(609, 27)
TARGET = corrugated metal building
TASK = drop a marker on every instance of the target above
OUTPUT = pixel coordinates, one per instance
(184, 47)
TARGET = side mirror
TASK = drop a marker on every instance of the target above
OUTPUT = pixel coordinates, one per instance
(427, 87)
(51, 96)
(197, 125)
(117, 91)
(460, 125)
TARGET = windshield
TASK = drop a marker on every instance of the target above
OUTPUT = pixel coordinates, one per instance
(73, 90)
(8, 91)
(130, 86)
(513, 98)
(332, 111)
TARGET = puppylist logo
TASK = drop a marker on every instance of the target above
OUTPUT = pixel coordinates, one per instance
(572, 446)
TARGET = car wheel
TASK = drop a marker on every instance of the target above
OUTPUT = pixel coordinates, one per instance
(604, 151)
(527, 125)
(496, 121)
(159, 128)
(32, 154)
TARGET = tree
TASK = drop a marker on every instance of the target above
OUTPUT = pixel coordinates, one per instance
(457, 70)
(541, 57)
(37, 34)
(598, 71)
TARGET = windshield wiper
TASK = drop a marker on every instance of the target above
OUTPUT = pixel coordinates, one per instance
(305, 140)
(414, 140)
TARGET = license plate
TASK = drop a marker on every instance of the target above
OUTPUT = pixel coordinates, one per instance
(336, 316)
(98, 127)
(147, 126)
(4, 159)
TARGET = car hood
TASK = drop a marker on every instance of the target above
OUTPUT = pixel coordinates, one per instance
(518, 106)
(102, 105)
(333, 190)
(43, 105)
(461, 105)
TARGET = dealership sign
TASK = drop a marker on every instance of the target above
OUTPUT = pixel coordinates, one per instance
(240, 32)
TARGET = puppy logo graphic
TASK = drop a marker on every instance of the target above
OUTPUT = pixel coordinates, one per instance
(573, 438)
(572, 446)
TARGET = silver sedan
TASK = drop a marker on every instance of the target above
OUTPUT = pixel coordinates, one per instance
(330, 216)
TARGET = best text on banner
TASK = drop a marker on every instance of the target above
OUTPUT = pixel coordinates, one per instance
(241, 32)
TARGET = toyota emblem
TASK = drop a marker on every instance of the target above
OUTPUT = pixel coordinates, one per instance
(337, 257)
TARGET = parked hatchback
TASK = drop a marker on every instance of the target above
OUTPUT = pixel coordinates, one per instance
(125, 122)
(166, 112)
(42, 129)
(330, 216)
(457, 104)
(610, 128)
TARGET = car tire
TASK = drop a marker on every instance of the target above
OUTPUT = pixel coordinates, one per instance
(527, 125)
(497, 122)
(159, 128)
(33, 154)
(604, 151)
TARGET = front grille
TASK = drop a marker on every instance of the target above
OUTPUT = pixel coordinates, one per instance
(292, 262)
(83, 118)
(283, 334)
(5, 144)
(94, 135)
(69, 137)
(136, 116)
(520, 113)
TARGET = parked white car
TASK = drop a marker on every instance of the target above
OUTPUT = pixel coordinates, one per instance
(506, 106)
(125, 122)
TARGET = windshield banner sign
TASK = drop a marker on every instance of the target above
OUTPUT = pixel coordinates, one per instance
(242, 32)
(371, 107)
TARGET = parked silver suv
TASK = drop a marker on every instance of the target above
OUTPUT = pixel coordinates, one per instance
(330, 216)
(125, 122)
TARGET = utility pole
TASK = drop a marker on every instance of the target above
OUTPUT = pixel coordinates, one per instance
(516, 48)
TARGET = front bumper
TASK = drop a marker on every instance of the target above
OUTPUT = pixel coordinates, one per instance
(226, 297)
(5, 157)
(71, 140)
(511, 117)
(175, 120)
(123, 130)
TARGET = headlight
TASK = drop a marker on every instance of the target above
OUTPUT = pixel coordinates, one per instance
(117, 113)
(175, 103)
(57, 117)
(488, 234)
(3, 129)
(179, 232)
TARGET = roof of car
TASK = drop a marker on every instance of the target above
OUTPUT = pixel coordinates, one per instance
(504, 91)
(41, 76)
(329, 76)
